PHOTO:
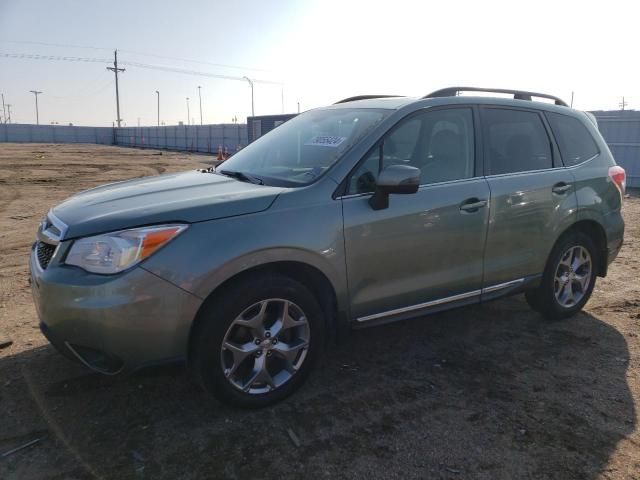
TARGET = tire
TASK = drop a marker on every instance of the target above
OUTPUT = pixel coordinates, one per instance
(564, 267)
(244, 315)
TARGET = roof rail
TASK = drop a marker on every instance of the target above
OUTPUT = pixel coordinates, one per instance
(517, 94)
(364, 97)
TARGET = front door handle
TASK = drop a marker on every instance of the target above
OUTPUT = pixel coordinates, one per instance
(472, 205)
(561, 188)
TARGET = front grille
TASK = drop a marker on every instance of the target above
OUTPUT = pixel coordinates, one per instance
(44, 252)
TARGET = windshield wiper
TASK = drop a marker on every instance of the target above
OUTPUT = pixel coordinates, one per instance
(244, 177)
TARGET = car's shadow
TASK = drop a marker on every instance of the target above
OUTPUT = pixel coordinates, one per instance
(488, 391)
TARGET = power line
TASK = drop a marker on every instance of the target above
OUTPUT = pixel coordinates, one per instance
(202, 62)
(134, 52)
(34, 56)
(25, 42)
(164, 68)
(184, 71)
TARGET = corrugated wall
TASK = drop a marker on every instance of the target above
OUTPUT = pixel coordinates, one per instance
(24, 133)
(193, 138)
(621, 131)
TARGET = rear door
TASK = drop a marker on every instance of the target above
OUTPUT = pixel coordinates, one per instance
(532, 195)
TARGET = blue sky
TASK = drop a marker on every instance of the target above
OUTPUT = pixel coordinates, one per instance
(320, 51)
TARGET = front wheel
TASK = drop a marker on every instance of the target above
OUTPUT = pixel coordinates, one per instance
(258, 341)
(568, 279)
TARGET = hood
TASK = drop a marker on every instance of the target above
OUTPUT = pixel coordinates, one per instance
(182, 197)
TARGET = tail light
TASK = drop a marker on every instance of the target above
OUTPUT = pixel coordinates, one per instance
(619, 178)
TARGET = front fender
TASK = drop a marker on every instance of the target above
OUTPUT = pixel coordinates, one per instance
(209, 253)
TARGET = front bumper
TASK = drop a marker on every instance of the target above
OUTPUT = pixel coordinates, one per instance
(112, 323)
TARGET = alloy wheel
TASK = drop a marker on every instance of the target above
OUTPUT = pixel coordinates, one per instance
(573, 276)
(265, 346)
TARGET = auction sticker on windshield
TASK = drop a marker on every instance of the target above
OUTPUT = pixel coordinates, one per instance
(326, 140)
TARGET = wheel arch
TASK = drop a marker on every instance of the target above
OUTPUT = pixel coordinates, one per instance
(598, 234)
(308, 275)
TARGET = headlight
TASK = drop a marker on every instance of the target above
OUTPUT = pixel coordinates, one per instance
(114, 252)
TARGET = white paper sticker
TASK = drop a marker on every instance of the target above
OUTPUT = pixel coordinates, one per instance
(326, 141)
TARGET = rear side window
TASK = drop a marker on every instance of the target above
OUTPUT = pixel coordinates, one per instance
(515, 141)
(575, 142)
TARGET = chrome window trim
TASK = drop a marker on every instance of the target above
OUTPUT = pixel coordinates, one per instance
(497, 175)
(529, 172)
(525, 172)
(585, 161)
(422, 186)
(441, 301)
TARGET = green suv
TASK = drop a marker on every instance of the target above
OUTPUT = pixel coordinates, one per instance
(371, 210)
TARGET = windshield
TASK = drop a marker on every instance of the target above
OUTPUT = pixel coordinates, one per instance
(299, 151)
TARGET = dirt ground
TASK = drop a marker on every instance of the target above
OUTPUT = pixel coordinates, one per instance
(485, 392)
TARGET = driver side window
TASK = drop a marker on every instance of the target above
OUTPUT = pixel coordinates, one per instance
(440, 143)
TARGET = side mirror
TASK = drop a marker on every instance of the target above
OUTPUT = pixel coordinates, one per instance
(401, 179)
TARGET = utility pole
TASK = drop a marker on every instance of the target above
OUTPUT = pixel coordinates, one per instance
(623, 104)
(4, 109)
(253, 113)
(115, 70)
(298, 107)
(158, 93)
(36, 93)
(572, 99)
(188, 114)
(8, 119)
(200, 97)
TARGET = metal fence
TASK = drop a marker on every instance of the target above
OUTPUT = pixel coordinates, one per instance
(194, 138)
(621, 131)
(25, 133)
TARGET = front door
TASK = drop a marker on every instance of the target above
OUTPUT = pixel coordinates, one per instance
(425, 248)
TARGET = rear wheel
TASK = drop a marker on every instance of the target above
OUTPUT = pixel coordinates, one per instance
(258, 341)
(568, 279)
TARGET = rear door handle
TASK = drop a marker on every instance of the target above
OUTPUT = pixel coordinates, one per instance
(561, 188)
(472, 205)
